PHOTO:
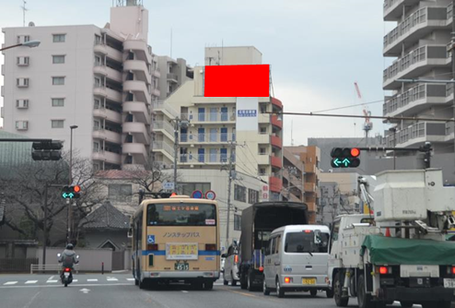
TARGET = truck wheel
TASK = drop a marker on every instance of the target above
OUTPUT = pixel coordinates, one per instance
(243, 282)
(337, 288)
(265, 290)
(279, 290)
(249, 282)
(208, 285)
(363, 298)
(406, 304)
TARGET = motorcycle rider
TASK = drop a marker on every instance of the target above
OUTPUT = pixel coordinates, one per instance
(68, 259)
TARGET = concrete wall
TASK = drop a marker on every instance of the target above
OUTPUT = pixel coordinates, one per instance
(232, 55)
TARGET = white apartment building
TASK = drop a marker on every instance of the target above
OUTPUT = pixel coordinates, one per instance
(214, 125)
(175, 73)
(104, 80)
(419, 44)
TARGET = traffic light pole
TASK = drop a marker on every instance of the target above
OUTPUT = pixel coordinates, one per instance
(45, 225)
(425, 149)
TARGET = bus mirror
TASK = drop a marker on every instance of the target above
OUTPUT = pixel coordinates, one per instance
(130, 233)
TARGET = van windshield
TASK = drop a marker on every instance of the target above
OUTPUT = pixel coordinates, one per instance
(301, 242)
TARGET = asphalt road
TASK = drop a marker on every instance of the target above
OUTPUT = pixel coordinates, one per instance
(118, 290)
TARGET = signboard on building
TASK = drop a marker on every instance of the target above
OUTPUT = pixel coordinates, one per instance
(247, 114)
(265, 192)
(168, 185)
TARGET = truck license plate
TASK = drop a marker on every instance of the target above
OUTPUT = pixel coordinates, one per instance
(449, 283)
(308, 281)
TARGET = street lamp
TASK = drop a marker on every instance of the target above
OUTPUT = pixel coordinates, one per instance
(70, 182)
(30, 44)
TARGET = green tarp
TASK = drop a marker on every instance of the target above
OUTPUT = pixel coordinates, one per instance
(394, 251)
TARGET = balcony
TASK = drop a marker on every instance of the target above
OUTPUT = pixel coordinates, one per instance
(114, 74)
(275, 184)
(100, 69)
(141, 48)
(310, 187)
(165, 127)
(310, 168)
(393, 9)
(139, 68)
(277, 103)
(264, 118)
(209, 118)
(138, 130)
(107, 135)
(450, 131)
(204, 159)
(165, 148)
(108, 157)
(108, 93)
(137, 150)
(165, 108)
(418, 133)
(139, 110)
(276, 121)
(415, 100)
(263, 159)
(173, 78)
(207, 137)
(276, 162)
(107, 114)
(156, 73)
(139, 88)
(276, 141)
(415, 64)
(415, 26)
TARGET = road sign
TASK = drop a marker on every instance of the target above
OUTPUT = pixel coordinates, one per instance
(197, 194)
(168, 185)
(210, 194)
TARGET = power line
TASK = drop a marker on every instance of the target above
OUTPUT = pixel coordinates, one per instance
(349, 106)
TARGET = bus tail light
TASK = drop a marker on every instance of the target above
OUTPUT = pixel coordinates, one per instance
(210, 247)
(152, 247)
(236, 259)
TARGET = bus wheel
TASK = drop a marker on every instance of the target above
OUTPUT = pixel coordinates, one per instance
(141, 284)
(208, 285)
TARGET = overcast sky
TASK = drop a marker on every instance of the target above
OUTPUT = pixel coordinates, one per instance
(317, 49)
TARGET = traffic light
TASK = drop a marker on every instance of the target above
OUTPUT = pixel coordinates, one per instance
(47, 150)
(345, 157)
(71, 192)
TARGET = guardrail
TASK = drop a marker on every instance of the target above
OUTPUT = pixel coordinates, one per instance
(49, 267)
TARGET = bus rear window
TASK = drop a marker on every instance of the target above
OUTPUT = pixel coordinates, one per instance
(181, 214)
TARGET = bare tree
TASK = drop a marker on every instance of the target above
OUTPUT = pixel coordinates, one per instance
(150, 176)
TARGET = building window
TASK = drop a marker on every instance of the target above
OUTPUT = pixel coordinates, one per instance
(58, 59)
(96, 147)
(239, 193)
(22, 103)
(58, 81)
(188, 188)
(23, 61)
(96, 125)
(59, 38)
(262, 171)
(21, 125)
(263, 130)
(22, 82)
(253, 196)
(58, 102)
(237, 222)
(120, 192)
(23, 38)
(57, 123)
(262, 151)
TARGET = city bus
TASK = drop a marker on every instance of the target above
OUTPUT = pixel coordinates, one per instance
(176, 239)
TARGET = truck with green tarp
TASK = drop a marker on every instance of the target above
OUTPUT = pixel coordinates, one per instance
(398, 252)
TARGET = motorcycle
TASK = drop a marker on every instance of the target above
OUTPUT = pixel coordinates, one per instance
(67, 275)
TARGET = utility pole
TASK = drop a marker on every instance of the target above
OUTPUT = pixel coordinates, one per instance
(45, 225)
(70, 182)
(232, 145)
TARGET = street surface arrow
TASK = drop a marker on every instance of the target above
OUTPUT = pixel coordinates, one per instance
(84, 290)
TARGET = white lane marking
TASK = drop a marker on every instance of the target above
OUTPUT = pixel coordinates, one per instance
(74, 280)
(9, 283)
(92, 280)
(51, 281)
(84, 290)
(31, 281)
(184, 291)
(130, 279)
(80, 285)
(50, 278)
(31, 300)
(112, 279)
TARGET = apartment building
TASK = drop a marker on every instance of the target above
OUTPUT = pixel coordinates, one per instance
(293, 175)
(419, 45)
(104, 80)
(310, 158)
(175, 73)
(216, 133)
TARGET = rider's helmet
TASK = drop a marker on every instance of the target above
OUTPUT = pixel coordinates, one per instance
(69, 246)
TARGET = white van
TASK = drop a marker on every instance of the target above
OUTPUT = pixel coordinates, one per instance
(296, 260)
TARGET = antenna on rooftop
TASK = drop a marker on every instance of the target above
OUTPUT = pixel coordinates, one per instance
(24, 9)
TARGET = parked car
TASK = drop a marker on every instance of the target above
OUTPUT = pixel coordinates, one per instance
(231, 268)
(296, 260)
(223, 261)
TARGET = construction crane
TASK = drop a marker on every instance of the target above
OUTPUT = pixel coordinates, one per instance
(367, 126)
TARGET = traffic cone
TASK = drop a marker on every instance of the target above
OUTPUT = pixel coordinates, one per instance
(387, 232)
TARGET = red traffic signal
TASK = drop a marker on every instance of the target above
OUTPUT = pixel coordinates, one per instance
(77, 189)
(355, 152)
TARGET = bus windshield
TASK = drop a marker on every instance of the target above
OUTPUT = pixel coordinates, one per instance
(181, 214)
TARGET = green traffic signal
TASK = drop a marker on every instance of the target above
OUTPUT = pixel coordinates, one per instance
(71, 192)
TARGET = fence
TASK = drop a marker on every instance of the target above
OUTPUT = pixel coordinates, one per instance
(16, 265)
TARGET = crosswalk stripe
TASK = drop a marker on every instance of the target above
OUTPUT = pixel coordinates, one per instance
(51, 281)
(130, 279)
(112, 279)
(9, 283)
(31, 281)
(92, 279)
(74, 280)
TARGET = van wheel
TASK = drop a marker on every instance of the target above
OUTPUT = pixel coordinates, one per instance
(313, 293)
(406, 304)
(233, 282)
(208, 285)
(329, 293)
(363, 298)
(337, 288)
(265, 290)
(440, 304)
(279, 290)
